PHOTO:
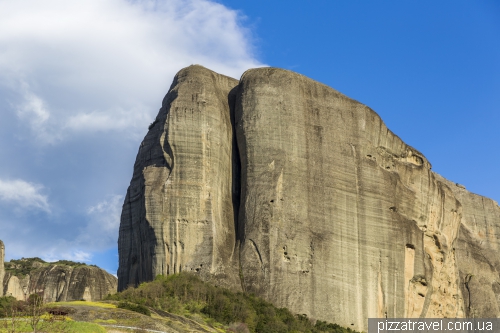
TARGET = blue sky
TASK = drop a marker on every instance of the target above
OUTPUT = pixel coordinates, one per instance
(81, 81)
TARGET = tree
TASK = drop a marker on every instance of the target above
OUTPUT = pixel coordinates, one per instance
(35, 309)
(13, 311)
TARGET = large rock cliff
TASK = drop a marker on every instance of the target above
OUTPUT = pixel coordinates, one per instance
(57, 282)
(324, 210)
(178, 213)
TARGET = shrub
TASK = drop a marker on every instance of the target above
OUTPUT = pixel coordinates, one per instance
(135, 307)
(238, 328)
(241, 312)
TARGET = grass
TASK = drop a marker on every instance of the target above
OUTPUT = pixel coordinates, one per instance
(66, 327)
(86, 303)
(105, 321)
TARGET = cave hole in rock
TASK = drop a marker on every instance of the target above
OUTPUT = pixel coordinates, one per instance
(410, 246)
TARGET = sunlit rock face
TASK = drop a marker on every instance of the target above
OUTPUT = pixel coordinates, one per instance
(477, 251)
(340, 219)
(59, 283)
(336, 217)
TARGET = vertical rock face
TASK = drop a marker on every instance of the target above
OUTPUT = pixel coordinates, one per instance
(337, 217)
(2, 269)
(478, 249)
(178, 213)
(340, 218)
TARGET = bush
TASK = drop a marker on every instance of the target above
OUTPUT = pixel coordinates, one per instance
(186, 293)
(134, 307)
(7, 303)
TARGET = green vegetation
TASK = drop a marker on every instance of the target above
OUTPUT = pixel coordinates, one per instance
(185, 294)
(34, 316)
(134, 307)
(53, 327)
(152, 124)
(86, 303)
(22, 267)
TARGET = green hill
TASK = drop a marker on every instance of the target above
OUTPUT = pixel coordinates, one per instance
(185, 294)
(175, 304)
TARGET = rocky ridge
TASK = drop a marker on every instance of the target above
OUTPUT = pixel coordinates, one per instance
(57, 282)
(281, 186)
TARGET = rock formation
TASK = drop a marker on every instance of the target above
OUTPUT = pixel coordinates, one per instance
(57, 282)
(316, 206)
(178, 213)
(477, 252)
(2, 269)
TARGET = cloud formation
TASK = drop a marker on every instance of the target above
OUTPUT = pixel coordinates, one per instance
(101, 65)
(23, 194)
(104, 220)
(81, 81)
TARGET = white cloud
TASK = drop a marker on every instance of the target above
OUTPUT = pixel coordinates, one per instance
(115, 119)
(23, 194)
(101, 232)
(80, 83)
(80, 66)
(73, 255)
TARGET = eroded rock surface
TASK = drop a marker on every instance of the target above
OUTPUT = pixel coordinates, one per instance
(337, 217)
(59, 283)
(478, 249)
(178, 213)
(341, 219)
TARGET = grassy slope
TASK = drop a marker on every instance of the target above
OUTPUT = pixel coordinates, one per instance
(184, 303)
(186, 295)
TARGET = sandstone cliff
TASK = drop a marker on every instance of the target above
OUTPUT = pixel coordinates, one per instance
(334, 215)
(56, 282)
(2, 269)
(477, 251)
(178, 213)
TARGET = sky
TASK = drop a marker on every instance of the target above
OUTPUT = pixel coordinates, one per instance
(80, 81)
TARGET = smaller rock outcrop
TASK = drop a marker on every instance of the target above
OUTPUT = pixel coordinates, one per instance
(57, 282)
(2, 269)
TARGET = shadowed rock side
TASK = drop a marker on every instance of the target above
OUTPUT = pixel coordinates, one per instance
(178, 211)
(340, 219)
(59, 283)
(2, 269)
(478, 249)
